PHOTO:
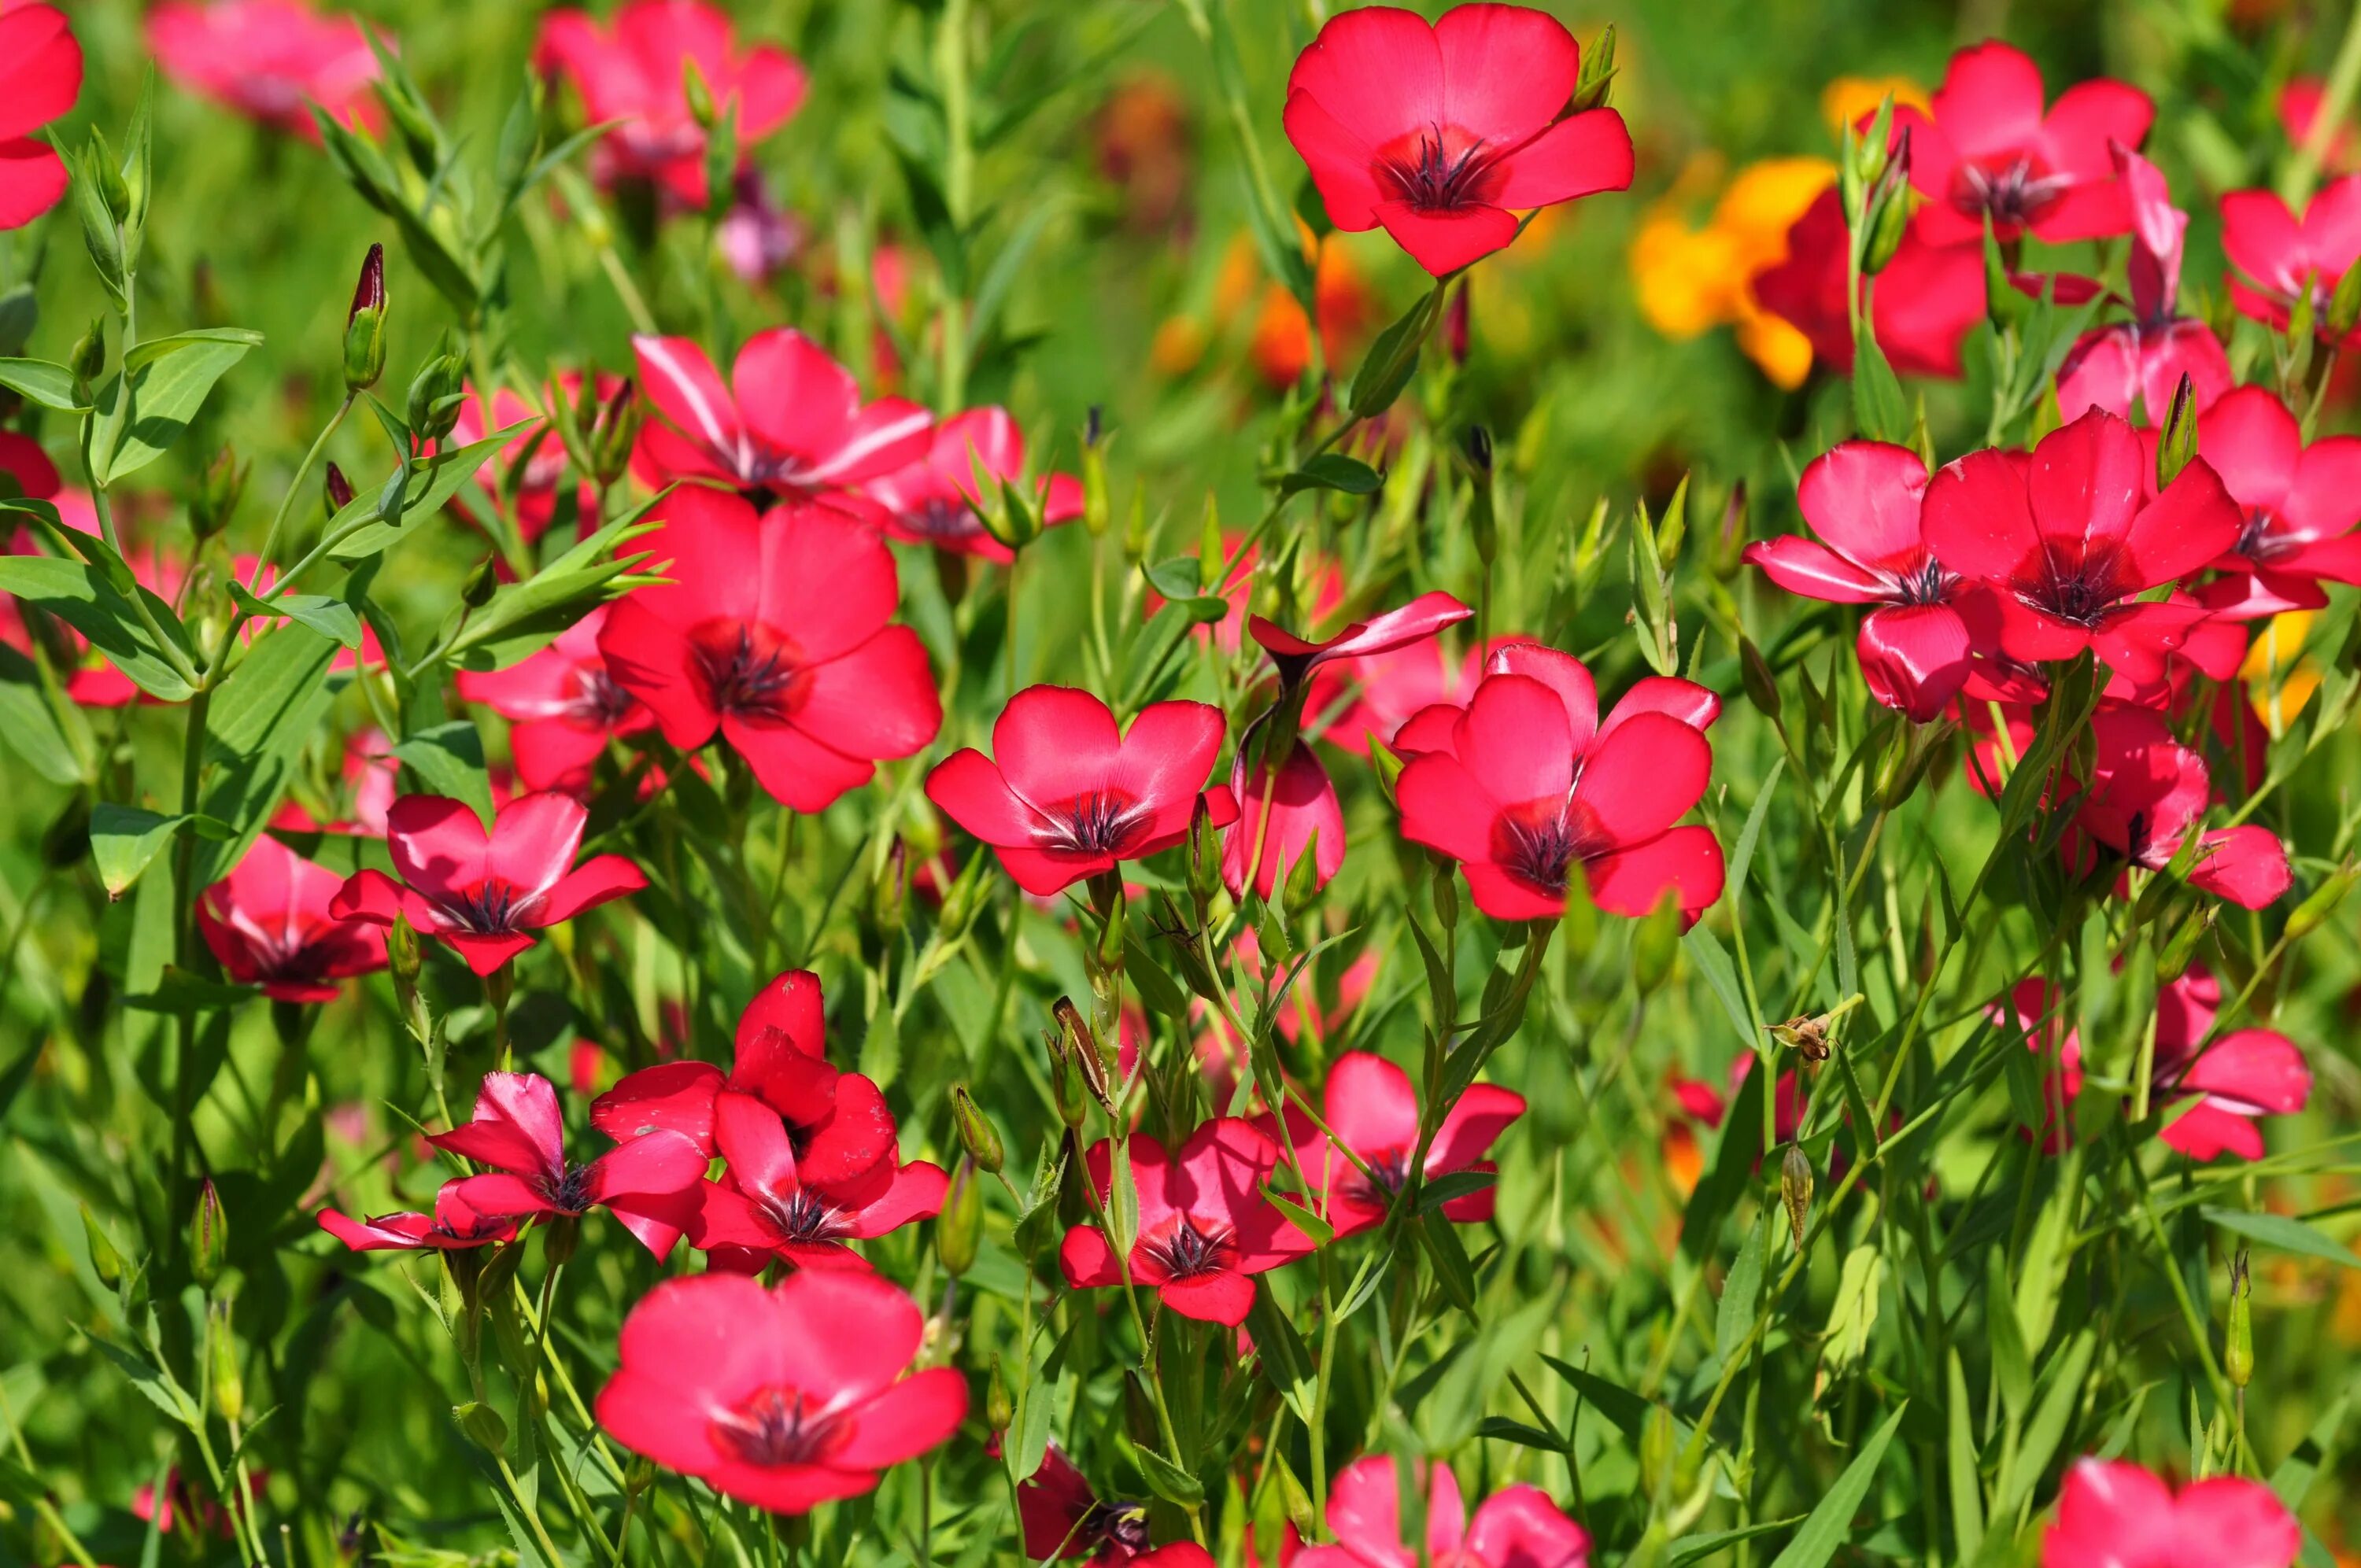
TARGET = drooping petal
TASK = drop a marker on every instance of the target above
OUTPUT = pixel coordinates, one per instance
(1915, 657)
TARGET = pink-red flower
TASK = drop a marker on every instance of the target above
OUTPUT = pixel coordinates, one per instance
(562, 706)
(269, 59)
(785, 1397)
(41, 77)
(1921, 306)
(2067, 540)
(1527, 790)
(777, 1201)
(2149, 793)
(1986, 150)
(2279, 259)
(934, 500)
(1440, 134)
(1067, 795)
(484, 893)
(648, 1182)
(454, 1226)
(634, 71)
(2142, 360)
(268, 923)
(1063, 1517)
(2115, 1515)
(774, 632)
(539, 451)
(2236, 1079)
(1516, 1526)
(1205, 1229)
(1371, 1106)
(789, 423)
(2299, 504)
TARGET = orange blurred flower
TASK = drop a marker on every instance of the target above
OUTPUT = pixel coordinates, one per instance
(1849, 100)
(1690, 280)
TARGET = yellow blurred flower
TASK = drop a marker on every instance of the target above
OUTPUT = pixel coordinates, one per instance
(1849, 100)
(1690, 280)
(2279, 679)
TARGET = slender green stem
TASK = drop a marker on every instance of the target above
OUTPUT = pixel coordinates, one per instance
(268, 556)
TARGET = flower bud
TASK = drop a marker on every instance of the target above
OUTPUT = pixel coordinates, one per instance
(2178, 442)
(999, 1409)
(208, 1236)
(1795, 1191)
(964, 897)
(88, 357)
(230, 1388)
(2345, 306)
(1204, 857)
(436, 394)
(483, 1426)
(1446, 895)
(616, 434)
(1066, 1081)
(482, 584)
(2238, 1345)
(976, 1134)
(337, 489)
(1595, 73)
(1477, 454)
(1889, 207)
(2322, 902)
(698, 95)
(1754, 673)
(220, 489)
(1657, 943)
(959, 1229)
(1657, 1440)
(889, 900)
(1098, 506)
(1456, 322)
(105, 1261)
(1083, 1050)
(1729, 553)
(365, 326)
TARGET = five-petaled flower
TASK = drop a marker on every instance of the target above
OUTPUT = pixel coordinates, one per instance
(1440, 133)
(2278, 258)
(562, 706)
(775, 1202)
(1921, 305)
(2148, 792)
(41, 77)
(2111, 1514)
(1371, 1107)
(268, 924)
(1067, 795)
(272, 60)
(1516, 1526)
(2300, 504)
(1205, 1228)
(1063, 1517)
(2142, 360)
(936, 500)
(774, 633)
(483, 892)
(785, 1397)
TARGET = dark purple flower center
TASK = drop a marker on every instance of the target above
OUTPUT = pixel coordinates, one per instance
(2079, 592)
(1537, 843)
(597, 702)
(2014, 192)
(942, 517)
(2260, 540)
(490, 908)
(1388, 1170)
(779, 1427)
(748, 669)
(1439, 169)
(805, 1216)
(1096, 822)
(569, 1189)
(1184, 1250)
(1123, 1524)
(1927, 582)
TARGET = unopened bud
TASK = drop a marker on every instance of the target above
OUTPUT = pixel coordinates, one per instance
(1795, 1191)
(220, 489)
(889, 900)
(2238, 1345)
(1456, 322)
(1889, 207)
(1066, 1086)
(1657, 1440)
(365, 324)
(1303, 887)
(483, 1426)
(959, 1229)
(2176, 442)
(1083, 1050)
(1657, 943)
(964, 897)
(1446, 895)
(230, 1388)
(337, 490)
(1754, 673)
(1098, 505)
(2345, 306)
(698, 95)
(208, 1236)
(436, 395)
(1204, 856)
(999, 1409)
(482, 584)
(976, 1134)
(105, 1261)
(616, 432)
(1729, 543)
(1595, 73)
(88, 357)
(2322, 902)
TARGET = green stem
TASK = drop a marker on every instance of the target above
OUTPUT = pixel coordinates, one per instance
(263, 558)
(2336, 102)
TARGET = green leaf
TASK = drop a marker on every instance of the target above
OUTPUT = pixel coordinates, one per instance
(1285, 1360)
(431, 482)
(1321, 1232)
(330, 618)
(1157, 992)
(33, 726)
(1741, 1293)
(449, 758)
(1967, 1484)
(1452, 1186)
(1452, 1269)
(2046, 1430)
(143, 408)
(523, 618)
(79, 593)
(1333, 471)
(1879, 409)
(39, 381)
(1167, 1480)
(1393, 359)
(2285, 1233)
(1830, 1524)
(1721, 979)
(1705, 1548)
(177, 991)
(125, 841)
(17, 1074)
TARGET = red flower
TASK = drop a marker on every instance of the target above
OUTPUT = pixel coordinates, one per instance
(1988, 151)
(785, 1397)
(1297, 659)
(649, 1181)
(2148, 792)
(774, 632)
(933, 500)
(1517, 1526)
(635, 73)
(779, 1202)
(41, 77)
(2144, 357)
(2067, 540)
(1531, 789)
(537, 449)
(454, 1226)
(2237, 1080)
(1863, 497)
(1070, 797)
(2115, 1515)
(482, 893)
(1204, 1227)
(791, 422)
(1370, 1106)
(1440, 134)
(1062, 1517)
(2283, 258)
(1921, 306)
(269, 59)
(563, 707)
(781, 1055)
(268, 924)
(2300, 505)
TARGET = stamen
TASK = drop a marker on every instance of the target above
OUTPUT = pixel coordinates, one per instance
(778, 1427)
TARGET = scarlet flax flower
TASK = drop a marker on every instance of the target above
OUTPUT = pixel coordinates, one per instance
(648, 1182)
(1062, 1517)
(1516, 1526)
(632, 73)
(2149, 793)
(774, 633)
(535, 447)
(785, 1397)
(562, 706)
(2142, 360)
(2111, 1514)
(1525, 794)
(268, 924)
(2278, 258)
(1205, 1229)
(1984, 150)
(269, 59)
(2065, 540)
(2299, 504)
(41, 77)
(454, 1226)
(774, 1203)
(1371, 1107)
(780, 1054)
(934, 499)
(1066, 795)
(1921, 305)
(484, 893)
(790, 423)
(1440, 134)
